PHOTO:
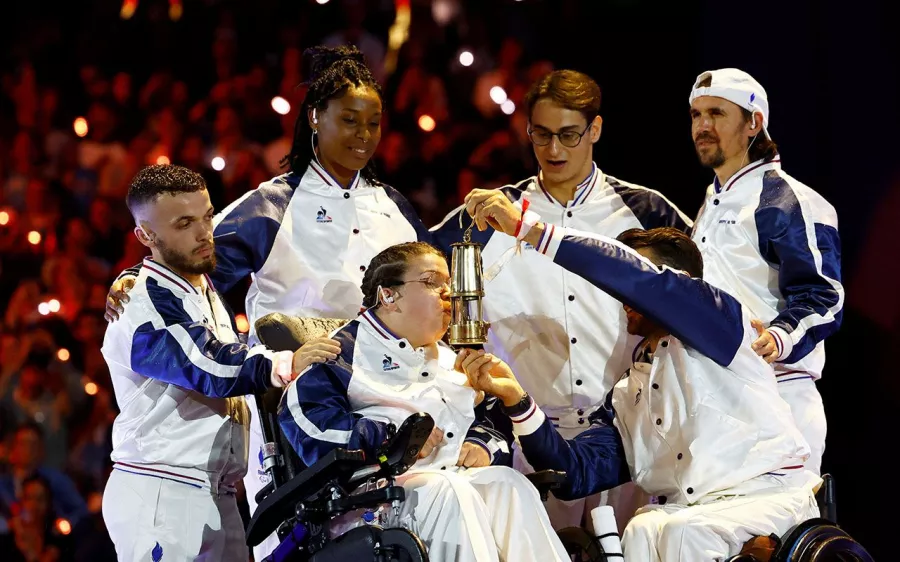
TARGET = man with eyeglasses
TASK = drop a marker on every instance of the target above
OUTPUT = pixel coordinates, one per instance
(565, 339)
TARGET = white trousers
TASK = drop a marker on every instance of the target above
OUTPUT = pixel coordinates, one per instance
(624, 499)
(809, 414)
(716, 530)
(478, 515)
(153, 519)
(256, 477)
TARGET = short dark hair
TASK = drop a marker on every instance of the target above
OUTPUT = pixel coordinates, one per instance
(762, 147)
(331, 71)
(568, 88)
(159, 179)
(388, 267)
(669, 246)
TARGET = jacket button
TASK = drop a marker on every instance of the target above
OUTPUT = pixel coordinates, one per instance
(578, 382)
(424, 374)
(703, 239)
(665, 344)
(655, 386)
(658, 421)
(571, 297)
(356, 231)
(679, 456)
(569, 214)
(402, 344)
(574, 340)
(581, 421)
(580, 412)
(346, 195)
(450, 435)
(715, 201)
(690, 490)
(662, 500)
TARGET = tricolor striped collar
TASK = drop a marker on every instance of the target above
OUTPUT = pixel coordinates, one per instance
(774, 164)
(368, 316)
(163, 272)
(582, 192)
(329, 180)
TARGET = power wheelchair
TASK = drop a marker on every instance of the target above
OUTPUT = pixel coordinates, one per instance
(299, 503)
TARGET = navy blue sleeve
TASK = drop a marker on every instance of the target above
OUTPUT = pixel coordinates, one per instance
(186, 353)
(808, 261)
(409, 213)
(454, 225)
(486, 432)
(593, 461)
(246, 230)
(650, 208)
(695, 312)
(316, 415)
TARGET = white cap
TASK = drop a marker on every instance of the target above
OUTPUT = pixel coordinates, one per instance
(737, 87)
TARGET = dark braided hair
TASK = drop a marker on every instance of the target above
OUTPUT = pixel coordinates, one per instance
(330, 72)
(388, 267)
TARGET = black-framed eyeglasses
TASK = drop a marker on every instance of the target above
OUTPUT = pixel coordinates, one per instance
(543, 137)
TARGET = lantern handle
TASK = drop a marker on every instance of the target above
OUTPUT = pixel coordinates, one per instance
(467, 234)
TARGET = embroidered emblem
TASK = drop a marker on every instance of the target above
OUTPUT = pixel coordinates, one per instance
(322, 215)
(388, 363)
(157, 553)
(637, 398)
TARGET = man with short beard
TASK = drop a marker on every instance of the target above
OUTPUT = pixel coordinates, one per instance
(769, 240)
(179, 374)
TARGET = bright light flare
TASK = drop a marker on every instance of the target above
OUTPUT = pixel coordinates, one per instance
(80, 126)
(281, 105)
(243, 325)
(498, 94)
(427, 123)
(466, 58)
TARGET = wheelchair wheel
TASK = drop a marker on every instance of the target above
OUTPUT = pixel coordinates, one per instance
(581, 546)
(818, 540)
(400, 545)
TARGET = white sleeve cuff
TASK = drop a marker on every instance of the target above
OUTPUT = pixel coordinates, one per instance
(783, 341)
(550, 239)
(529, 422)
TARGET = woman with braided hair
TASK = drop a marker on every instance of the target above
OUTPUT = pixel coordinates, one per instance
(305, 237)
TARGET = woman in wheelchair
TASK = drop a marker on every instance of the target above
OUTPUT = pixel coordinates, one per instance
(461, 498)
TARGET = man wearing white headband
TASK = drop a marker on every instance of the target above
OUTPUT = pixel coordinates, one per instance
(769, 240)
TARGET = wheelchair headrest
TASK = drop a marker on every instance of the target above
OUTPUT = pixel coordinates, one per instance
(282, 332)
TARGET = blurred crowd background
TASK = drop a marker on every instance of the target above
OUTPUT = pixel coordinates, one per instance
(88, 97)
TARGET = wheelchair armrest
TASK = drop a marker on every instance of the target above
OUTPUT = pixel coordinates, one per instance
(546, 480)
(279, 505)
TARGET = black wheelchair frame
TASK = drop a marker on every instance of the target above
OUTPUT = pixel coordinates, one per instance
(815, 540)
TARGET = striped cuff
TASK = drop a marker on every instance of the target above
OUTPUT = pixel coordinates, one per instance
(528, 422)
(550, 239)
(782, 341)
